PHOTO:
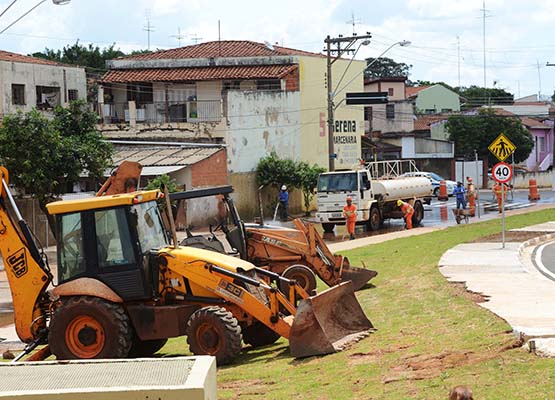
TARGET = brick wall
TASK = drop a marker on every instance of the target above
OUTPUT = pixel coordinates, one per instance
(292, 81)
(211, 171)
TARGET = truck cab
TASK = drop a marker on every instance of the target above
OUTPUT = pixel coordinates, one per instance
(333, 189)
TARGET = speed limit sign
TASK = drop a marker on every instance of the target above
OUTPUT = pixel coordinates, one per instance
(502, 172)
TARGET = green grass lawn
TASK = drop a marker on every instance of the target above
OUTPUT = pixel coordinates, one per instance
(431, 337)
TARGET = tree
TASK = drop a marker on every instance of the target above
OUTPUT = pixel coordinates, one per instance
(475, 96)
(306, 178)
(91, 57)
(274, 171)
(476, 132)
(46, 157)
(384, 67)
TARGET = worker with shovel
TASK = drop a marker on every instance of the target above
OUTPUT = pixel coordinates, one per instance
(350, 214)
(408, 211)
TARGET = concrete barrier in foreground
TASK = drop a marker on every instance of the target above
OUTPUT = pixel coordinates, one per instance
(192, 378)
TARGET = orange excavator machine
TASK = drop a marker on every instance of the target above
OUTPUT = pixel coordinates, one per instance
(123, 288)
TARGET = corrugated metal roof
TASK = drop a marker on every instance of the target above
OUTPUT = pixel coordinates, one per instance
(198, 74)
(173, 156)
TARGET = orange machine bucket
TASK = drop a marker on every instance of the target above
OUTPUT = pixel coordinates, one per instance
(359, 276)
(328, 322)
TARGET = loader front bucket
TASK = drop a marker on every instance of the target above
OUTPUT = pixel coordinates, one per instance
(328, 322)
(359, 276)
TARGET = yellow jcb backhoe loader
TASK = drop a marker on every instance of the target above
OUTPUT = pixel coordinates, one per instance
(123, 289)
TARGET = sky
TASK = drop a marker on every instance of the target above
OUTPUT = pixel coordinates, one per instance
(446, 35)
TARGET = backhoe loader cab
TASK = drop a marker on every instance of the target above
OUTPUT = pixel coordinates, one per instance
(124, 290)
(111, 242)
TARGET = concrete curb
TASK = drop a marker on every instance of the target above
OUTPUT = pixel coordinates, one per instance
(534, 242)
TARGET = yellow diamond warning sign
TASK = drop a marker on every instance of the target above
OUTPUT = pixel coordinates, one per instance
(502, 147)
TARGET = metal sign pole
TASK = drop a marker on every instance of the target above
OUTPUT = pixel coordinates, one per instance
(476, 190)
(503, 191)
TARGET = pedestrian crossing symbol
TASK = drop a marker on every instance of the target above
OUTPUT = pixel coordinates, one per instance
(502, 147)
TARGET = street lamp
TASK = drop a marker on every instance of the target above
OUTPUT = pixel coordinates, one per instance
(331, 95)
(55, 2)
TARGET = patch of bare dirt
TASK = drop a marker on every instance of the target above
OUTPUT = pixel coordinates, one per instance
(510, 236)
(372, 356)
(248, 387)
(426, 366)
(462, 290)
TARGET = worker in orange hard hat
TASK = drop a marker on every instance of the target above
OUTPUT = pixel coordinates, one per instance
(408, 211)
(350, 214)
(471, 195)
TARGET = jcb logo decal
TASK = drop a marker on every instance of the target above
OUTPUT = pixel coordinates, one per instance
(18, 262)
(228, 289)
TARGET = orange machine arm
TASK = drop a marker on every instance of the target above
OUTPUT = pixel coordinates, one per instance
(27, 278)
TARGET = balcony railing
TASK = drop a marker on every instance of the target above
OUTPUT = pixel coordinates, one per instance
(161, 112)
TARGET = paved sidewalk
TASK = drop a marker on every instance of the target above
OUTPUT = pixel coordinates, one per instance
(515, 290)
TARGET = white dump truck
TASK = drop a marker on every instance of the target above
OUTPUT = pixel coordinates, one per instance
(374, 188)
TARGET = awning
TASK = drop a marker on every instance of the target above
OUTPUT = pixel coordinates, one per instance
(161, 170)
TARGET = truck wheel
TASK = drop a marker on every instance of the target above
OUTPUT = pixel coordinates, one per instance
(146, 348)
(214, 331)
(375, 220)
(259, 334)
(418, 215)
(304, 277)
(328, 228)
(89, 327)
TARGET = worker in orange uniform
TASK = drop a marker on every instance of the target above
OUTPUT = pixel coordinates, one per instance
(471, 195)
(408, 211)
(350, 214)
(500, 190)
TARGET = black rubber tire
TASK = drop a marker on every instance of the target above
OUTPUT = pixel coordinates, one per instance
(214, 331)
(375, 220)
(328, 228)
(436, 192)
(303, 275)
(117, 331)
(146, 348)
(418, 215)
(258, 335)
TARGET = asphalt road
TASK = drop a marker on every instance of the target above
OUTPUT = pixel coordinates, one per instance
(439, 213)
(544, 259)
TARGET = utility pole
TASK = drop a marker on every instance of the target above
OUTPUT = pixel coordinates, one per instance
(342, 45)
(484, 11)
(552, 115)
(148, 28)
(459, 59)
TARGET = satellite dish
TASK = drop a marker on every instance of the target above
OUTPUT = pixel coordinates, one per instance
(268, 45)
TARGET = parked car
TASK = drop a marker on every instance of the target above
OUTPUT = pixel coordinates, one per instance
(435, 179)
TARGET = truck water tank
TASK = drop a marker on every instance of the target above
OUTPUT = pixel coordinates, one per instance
(402, 188)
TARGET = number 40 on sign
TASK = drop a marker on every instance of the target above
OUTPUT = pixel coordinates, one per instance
(502, 172)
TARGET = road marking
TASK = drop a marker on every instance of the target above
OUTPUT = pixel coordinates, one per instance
(537, 261)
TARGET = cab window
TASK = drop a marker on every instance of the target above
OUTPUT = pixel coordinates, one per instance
(113, 239)
(72, 259)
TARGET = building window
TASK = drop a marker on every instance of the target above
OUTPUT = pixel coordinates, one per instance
(446, 110)
(73, 94)
(48, 97)
(18, 94)
(368, 114)
(232, 85)
(390, 111)
(268, 84)
(541, 143)
(429, 111)
(390, 91)
(140, 93)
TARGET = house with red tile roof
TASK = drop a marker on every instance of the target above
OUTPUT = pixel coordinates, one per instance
(30, 82)
(255, 98)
